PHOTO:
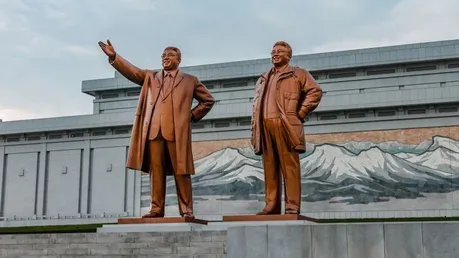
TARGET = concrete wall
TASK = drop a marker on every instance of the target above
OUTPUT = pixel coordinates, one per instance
(376, 240)
(67, 178)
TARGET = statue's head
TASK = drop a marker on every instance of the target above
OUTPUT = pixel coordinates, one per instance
(281, 53)
(171, 58)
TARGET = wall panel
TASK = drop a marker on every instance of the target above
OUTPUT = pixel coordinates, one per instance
(108, 175)
(63, 182)
(20, 184)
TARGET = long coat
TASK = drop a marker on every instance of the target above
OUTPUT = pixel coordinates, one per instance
(185, 88)
(297, 94)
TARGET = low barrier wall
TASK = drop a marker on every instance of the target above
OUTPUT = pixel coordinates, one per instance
(375, 240)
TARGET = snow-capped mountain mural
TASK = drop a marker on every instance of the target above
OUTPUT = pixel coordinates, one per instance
(350, 173)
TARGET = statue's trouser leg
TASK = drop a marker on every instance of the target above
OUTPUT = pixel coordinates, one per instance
(279, 159)
(162, 150)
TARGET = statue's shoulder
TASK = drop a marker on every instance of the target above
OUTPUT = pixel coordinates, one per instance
(300, 71)
(263, 76)
(187, 75)
(152, 72)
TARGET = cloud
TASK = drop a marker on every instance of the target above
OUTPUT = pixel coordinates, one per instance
(3, 26)
(10, 114)
(408, 21)
(79, 50)
(139, 5)
(54, 13)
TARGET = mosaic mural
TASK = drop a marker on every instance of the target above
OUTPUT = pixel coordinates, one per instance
(350, 173)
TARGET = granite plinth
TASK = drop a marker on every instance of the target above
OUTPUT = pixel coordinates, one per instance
(184, 227)
(276, 217)
(286, 239)
(161, 220)
(149, 227)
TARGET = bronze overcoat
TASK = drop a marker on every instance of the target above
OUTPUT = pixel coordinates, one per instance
(297, 94)
(185, 88)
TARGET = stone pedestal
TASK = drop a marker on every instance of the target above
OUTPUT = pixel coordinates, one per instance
(280, 217)
(269, 242)
(291, 239)
(161, 220)
(186, 227)
(167, 224)
(360, 240)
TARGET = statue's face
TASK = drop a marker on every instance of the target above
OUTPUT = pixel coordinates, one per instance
(170, 59)
(280, 55)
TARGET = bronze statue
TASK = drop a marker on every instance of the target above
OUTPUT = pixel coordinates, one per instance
(284, 96)
(161, 135)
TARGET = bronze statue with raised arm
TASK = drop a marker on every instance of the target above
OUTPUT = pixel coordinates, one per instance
(284, 96)
(161, 134)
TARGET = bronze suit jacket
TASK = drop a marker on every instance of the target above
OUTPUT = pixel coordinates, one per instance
(185, 88)
(297, 94)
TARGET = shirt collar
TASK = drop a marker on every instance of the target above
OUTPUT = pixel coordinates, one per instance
(172, 74)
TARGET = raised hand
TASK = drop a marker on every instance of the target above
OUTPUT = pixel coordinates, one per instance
(108, 49)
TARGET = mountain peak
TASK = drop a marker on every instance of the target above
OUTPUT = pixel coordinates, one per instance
(374, 151)
(331, 150)
(226, 152)
(448, 143)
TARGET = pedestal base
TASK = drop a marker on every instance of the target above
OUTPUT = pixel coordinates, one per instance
(180, 224)
(161, 220)
(276, 217)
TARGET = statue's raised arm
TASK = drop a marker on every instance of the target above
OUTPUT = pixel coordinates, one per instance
(128, 70)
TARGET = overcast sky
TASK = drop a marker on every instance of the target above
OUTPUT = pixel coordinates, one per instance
(47, 47)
